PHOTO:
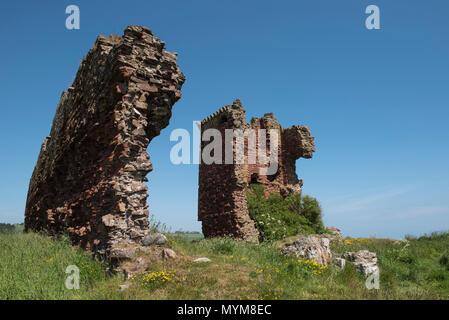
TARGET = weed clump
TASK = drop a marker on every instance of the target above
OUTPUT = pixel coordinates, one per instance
(223, 246)
(155, 280)
(444, 260)
(276, 217)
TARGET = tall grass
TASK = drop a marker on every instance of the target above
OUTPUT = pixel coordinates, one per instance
(32, 266)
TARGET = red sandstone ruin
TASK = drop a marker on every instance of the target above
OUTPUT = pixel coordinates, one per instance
(88, 180)
(222, 204)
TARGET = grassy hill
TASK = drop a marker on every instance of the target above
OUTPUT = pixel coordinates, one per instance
(32, 266)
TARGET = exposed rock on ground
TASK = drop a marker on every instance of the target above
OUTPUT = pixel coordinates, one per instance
(363, 260)
(168, 253)
(123, 287)
(199, 260)
(88, 179)
(282, 243)
(122, 252)
(336, 232)
(340, 262)
(310, 248)
(154, 238)
(143, 259)
(316, 248)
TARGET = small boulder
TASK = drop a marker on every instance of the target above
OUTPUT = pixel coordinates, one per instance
(154, 238)
(340, 262)
(363, 260)
(202, 260)
(336, 232)
(310, 248)
(168, 253)
(123, 287)
(122, 252)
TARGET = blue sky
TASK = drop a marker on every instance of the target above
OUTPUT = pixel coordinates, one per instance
(375, 100)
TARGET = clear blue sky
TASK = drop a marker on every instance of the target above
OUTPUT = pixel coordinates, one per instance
(375, 100)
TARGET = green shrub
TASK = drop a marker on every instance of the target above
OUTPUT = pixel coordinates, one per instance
(311, 210)
(444, 260)
(223, 246)
(277, 218)
(6, 227)
(406, 257)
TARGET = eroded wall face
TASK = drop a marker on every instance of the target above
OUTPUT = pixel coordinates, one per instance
(88, 180)
(222, 204)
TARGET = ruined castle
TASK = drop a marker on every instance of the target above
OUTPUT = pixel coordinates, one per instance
(222, 203)
(88, 179)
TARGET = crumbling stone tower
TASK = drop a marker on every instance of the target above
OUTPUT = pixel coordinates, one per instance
(88, 180)
(222, 204)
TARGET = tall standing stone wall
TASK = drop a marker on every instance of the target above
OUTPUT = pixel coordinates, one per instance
(88, 180)
(222, 203)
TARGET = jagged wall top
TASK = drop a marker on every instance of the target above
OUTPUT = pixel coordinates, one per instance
(88, 180)
(234, 113)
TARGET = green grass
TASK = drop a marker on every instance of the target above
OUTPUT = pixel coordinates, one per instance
(32, 266)
(19, 228)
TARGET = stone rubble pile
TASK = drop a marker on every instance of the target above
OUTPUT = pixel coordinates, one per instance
(317, 248)
(310, 248)
(363, 260)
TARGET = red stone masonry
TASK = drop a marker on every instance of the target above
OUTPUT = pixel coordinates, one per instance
(88, 180)
(222, 204)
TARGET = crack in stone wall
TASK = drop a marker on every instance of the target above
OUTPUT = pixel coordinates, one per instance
(88, 179)
(222, 203)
